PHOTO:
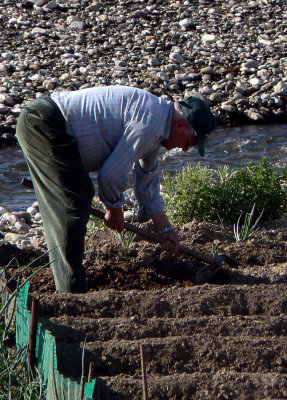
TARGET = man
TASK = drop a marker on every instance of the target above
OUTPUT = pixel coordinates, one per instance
(112, 130)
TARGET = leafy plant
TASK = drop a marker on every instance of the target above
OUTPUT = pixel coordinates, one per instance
(225, 194)
(126, 238)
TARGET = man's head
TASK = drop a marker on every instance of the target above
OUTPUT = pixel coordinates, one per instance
(200, 118)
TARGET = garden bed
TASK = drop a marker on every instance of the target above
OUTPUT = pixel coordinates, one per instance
(206, 333)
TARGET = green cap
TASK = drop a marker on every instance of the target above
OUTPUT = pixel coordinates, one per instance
(200, 118)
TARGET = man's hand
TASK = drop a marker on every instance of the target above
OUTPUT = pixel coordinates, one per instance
(171, 243)
(114, 219)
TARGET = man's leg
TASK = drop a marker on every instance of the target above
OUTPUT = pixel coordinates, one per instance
(63, 189)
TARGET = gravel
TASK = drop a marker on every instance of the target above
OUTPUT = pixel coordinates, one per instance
(232, 54)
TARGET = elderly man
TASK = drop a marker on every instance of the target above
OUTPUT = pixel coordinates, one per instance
(112, 130)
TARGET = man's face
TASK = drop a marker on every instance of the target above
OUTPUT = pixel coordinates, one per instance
(181, 136)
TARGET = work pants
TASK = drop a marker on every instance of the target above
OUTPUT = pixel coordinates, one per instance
(63, 189)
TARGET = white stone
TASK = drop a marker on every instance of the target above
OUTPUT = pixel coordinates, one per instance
(255, 82)
(39, 31)
(7, 56)
(37, 217)
(10, 218)
(32, 210)
(77, 25)
(209, 38)
(280, 88)
(37, 78)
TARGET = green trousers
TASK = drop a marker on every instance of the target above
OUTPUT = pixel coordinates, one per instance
(63, 189)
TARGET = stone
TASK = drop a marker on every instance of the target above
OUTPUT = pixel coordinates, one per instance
(255, 116)
(176, 57)
(4, 109)
(250, 64)
(209, 38)
(39, 31)
(280, 88)
(228, 108)
(187, 24)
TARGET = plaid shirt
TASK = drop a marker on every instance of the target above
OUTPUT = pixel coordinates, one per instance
(119, 129)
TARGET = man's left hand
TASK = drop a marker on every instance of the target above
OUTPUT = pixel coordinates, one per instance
(114, 219)
(171, 243)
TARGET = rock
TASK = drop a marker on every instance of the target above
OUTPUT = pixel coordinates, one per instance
(176, 57)
(21, 226)
(228, 108)
(209, 38)
(280, 88)
(95, 6)
(39, 31)
(52, 5)
(187, 24)
(40, 3)
(4, 109)
(208, 71)
(255, 116)
(256, 82)
(250, 64)
(216, 97)
(13, 237)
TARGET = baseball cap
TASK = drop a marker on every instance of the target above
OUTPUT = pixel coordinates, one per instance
(200, 118)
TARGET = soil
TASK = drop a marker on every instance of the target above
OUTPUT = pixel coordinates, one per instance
(207, 331)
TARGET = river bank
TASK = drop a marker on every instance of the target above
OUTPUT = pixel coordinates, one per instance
(233, 54)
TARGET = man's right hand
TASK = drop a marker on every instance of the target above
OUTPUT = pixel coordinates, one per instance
(114, 219)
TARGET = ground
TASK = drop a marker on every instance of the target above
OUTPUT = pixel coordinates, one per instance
(136, 264)
(208, 332)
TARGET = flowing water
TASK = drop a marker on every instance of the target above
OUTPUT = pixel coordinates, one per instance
(233, 147)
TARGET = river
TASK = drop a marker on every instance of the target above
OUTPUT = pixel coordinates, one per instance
(233, 147)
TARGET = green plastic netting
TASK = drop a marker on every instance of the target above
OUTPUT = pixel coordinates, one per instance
(57, 386)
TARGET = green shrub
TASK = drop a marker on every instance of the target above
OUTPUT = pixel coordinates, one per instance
(225, 194)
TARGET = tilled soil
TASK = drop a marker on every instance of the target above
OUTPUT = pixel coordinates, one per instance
(207, 333)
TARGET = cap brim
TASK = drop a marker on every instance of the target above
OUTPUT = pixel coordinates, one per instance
(200, 146)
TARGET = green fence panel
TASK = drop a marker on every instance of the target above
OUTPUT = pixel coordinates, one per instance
(58, 387)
